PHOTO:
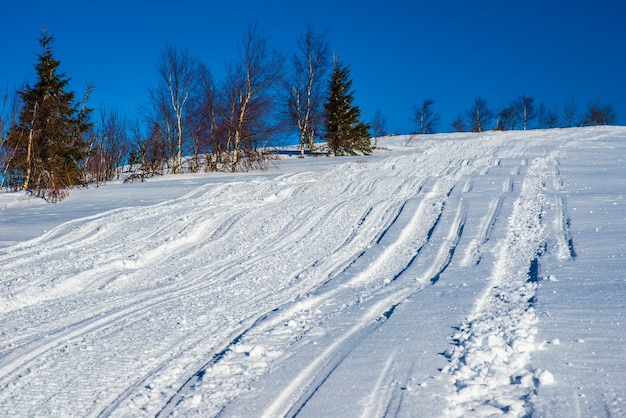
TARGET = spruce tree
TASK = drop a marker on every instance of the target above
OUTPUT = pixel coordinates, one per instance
(46, 148)
(346, 134)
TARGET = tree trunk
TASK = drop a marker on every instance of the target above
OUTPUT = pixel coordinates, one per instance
(240, 120)
(29, 151)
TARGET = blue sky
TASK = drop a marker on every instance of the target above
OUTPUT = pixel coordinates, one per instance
(399, 52)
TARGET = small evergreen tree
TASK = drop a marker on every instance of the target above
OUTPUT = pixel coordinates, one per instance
(46, 146)
(346, 134)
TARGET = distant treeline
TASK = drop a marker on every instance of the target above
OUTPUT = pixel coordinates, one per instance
(520, 113)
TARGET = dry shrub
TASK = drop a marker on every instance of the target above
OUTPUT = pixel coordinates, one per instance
(51, 187)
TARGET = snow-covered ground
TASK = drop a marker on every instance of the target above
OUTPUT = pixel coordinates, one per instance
(458, 275)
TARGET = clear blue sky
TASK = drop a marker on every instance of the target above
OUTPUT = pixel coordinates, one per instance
(399, 52)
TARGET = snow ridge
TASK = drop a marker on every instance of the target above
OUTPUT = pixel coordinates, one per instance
(490, 363)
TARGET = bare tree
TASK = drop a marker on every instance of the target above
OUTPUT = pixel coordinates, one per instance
(569, 112)
(600, 114)
(479, 115)
(249, 100)
(546, 118)
(178, 71)
(110, 145)
(152, 149)
(163, 118)
(306, 86)
(458, 124)
(527, 110)
(9, 111)
(378, 125)
(202, 122)
(425, 117)
(515, 107)
(508, 116)
(551, 119)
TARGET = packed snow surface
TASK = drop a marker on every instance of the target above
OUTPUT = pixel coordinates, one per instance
(447, 275)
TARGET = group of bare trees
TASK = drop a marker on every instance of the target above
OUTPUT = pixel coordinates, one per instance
(197, 123)
(194, 123)
(522, 111)
(109, 145)
(191, 123)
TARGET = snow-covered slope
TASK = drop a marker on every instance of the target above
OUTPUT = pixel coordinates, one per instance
(460, 275)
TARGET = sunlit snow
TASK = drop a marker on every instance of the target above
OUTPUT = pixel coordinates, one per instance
(447, 275)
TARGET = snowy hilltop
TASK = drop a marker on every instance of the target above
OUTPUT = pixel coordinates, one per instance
(446, 275)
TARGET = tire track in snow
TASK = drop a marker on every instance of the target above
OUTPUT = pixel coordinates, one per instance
(375, 404)
(473, 254)
(39, 265)
(370, 220)
(431, 207)
(384, 399)
(448, 247)
(71, 242)
(305, 385)
(490, 361)
(369, 210)
(562, 222)
(109, 319)
(178, 396)
(398, 255)
(313, 376)
(322, 299)
(263, 323)
(89, 230)
(319, 299)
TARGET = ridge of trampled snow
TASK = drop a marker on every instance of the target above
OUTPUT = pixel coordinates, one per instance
(490, 363)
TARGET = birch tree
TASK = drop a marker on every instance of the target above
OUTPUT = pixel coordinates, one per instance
(161, 121)
(425, 117)
(109, 146)
(527, 110)
(8, 119)
(458, 124)
(204, 123)
(479, 115)
(249, 99)
(378, 125)
(508, 116)
(178, 70)
(306, 86)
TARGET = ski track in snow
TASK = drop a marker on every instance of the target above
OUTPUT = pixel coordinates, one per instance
(178, 308)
